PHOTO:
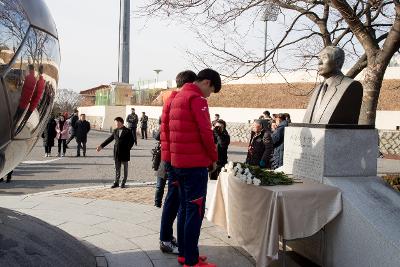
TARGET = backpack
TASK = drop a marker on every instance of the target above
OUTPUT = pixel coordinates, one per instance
(156, 152)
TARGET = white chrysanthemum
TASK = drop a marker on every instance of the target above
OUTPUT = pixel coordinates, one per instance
(249, 181)
(256, 181)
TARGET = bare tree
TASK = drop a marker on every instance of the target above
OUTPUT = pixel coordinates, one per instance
(66, 101)
(368, 30)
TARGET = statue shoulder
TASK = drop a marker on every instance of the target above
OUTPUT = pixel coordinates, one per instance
(346, 82)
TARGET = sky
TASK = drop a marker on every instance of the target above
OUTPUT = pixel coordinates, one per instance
(88, 33)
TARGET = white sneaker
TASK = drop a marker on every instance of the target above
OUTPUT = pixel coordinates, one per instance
(169, 247)
(62, 155)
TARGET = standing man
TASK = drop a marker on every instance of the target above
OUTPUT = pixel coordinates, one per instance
(143, 125)
(278, 139)
(122, 149)
(266, 120)
(216, 118)
(73, 119)
(193, 154)
(132, 121)
(81, 132)
(222, 140)
(168, 243)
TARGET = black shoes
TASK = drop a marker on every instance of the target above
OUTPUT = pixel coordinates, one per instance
(123, 186)
(115, 185)
(78, 155)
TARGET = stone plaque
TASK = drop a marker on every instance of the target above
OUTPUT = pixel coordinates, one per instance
(304, 155)
(318, 152)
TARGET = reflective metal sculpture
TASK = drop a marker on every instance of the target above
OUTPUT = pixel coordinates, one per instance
(29, 67)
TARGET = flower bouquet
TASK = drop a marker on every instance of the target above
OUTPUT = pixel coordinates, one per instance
(257, 176)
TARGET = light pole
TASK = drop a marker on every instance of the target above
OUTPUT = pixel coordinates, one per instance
(124, 41)
(157, 74)
(270, 14)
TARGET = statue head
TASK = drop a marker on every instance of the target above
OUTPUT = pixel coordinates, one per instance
(331, 60)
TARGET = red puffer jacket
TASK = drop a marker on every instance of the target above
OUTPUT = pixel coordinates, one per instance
(164, 131)
(37, 95)
(27, 90)
(190, 135)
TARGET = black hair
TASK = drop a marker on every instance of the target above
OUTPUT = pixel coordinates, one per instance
(281, 116)
(119, 119)
(31, 67)
(186, 76)
(212, 76)
(217, 115)
(222, 122)
(267, 113)
(41, 69)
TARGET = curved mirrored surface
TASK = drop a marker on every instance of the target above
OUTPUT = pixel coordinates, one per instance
(14, 25)
(29, 71)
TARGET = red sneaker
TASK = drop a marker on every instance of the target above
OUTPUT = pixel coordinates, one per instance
(202, 264)
(181, 260)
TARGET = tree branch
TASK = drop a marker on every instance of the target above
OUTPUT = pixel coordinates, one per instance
(360, 31)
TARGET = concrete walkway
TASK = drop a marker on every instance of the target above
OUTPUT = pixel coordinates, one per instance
(119, 233)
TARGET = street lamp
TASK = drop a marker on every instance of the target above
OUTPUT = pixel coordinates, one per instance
(270, 14)
(157, 75)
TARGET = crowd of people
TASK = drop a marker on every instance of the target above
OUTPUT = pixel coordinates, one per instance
(64, 129)
(266, 145)
(133, 120)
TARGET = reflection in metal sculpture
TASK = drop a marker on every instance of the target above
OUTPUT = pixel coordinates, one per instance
(29, 67)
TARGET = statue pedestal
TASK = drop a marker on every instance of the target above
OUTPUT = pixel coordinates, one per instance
(366, 232)
(317, 151)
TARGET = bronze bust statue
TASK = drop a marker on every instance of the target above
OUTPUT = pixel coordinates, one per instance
(338, 99)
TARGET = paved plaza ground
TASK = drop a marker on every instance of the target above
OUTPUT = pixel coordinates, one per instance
(121, 229)
(37, 174)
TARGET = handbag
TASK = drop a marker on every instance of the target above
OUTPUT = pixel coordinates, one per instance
(156, 152)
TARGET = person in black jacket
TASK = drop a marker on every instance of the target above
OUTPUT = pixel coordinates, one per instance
(48, 136)
(132, 120)
(122, 150)
(81, 132)
(143, 125)
(72, 120)
(278, 140)
(260, 147)
(159, 167)
(222, 140)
